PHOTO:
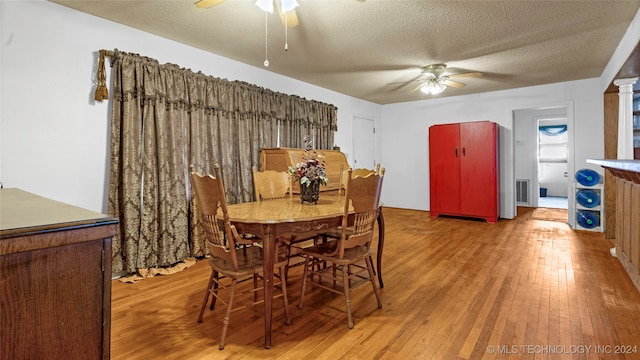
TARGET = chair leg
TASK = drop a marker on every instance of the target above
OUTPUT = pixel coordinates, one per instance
(288, 256)
(347, 294)
(373, 281)
(334, 275)
(227, 316)
(285, 299)
(215, 290)
(304, 281)
(206, 297)
(255, 286)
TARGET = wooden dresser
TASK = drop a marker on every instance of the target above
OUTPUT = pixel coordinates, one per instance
(55, 279)
(279, 159)
(627, 213)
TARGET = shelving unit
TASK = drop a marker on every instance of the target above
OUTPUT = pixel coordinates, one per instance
(598, 209)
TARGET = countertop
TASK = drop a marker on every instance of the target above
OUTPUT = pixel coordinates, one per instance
(627, 165)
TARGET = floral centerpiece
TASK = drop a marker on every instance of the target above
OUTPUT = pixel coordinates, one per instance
(310, 172)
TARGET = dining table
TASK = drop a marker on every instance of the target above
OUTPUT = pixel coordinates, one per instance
(289, 217)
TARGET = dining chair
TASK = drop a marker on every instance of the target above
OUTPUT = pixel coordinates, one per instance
(231, 262)
(346, 175)
(351, 253)
(271, 185)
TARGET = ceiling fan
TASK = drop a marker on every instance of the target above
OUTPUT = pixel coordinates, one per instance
(435, 81)
(286, 9)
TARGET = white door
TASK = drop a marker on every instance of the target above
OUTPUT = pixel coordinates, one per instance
(364, 144)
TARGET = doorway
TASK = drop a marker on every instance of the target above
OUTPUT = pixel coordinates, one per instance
(364, 145)
(542, 162)
(553, 172)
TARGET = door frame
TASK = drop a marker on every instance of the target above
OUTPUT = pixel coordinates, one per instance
(508, 161)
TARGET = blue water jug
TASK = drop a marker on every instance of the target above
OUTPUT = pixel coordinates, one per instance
(588, 219)
(587, 177)
(587, 198)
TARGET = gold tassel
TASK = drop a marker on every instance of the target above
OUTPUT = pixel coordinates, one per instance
(102, 93)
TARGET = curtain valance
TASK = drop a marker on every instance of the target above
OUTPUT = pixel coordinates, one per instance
(143, 78)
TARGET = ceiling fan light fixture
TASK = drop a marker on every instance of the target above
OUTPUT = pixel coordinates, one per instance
(284, 5)
(433, 87)
(265, 5)
(288, 5)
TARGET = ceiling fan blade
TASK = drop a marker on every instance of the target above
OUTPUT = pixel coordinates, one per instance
(454, 84)
(290, 19)
(205, 4)
(406, 82)
(416, 89)
(469, 74)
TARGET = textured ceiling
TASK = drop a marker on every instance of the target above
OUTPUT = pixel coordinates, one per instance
(358, 48)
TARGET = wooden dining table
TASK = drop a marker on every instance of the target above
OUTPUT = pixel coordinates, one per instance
(288, 217)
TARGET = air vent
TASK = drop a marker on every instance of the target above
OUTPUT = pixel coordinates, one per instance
(522, 191)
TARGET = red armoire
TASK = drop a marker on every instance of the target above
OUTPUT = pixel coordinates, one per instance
(464, 170)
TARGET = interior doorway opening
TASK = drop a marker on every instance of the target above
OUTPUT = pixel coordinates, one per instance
(542, 166)
(552, 156)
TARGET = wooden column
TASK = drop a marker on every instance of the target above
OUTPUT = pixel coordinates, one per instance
(625, 116)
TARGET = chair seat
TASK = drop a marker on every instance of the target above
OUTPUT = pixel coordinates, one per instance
(245, 267)
(335, 233)
(291, 246)
(326, 251)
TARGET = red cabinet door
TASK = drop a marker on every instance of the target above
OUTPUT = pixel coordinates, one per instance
(478, 169)
(444, 169)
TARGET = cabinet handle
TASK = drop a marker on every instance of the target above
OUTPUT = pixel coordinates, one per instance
(463, 151)
(456, 151)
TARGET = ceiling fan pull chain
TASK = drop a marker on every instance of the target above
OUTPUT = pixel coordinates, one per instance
(286, 31)
(266, 33)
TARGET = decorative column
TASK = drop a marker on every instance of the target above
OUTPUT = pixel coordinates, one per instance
(625, 118)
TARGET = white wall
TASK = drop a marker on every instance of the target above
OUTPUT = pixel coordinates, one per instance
(406, 126)
(54, 137)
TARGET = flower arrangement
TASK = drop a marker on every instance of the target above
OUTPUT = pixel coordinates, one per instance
(312, 166)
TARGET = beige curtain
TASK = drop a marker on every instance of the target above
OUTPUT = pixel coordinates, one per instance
(164, 118)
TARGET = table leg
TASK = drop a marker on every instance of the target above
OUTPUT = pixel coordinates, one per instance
(269, 253)
(380, 245)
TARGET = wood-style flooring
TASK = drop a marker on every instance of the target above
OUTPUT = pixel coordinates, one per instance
(454, 289)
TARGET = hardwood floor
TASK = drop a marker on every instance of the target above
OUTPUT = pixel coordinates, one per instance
(454, 289)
